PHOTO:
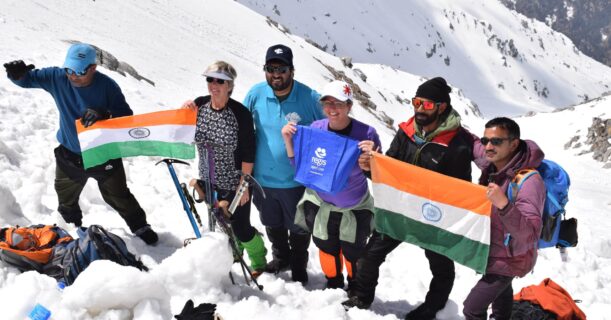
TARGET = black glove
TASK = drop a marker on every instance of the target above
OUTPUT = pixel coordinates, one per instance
(17, 69)
(204, 311)
(92, 115)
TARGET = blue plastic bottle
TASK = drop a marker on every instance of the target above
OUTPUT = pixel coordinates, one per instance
(39, 313)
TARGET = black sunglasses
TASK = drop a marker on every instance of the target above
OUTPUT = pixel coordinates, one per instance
(211, 80)
(495, 141)
(279, 69)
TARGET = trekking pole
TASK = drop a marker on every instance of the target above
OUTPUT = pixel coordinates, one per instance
(222, 217)
(231, 209)
(183, 197)
(207, 159)
(564, 256)
(191, 203)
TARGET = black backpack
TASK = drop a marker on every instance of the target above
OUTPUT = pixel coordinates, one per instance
(526, 310)
(94, 243)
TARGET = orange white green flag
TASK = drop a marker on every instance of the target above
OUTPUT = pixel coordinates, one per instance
(431, 210)
(167, 133)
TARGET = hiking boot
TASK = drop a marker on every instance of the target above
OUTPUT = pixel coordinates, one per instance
(280, 250)
(256, 273)
(276, 266)
(71, 215)
(299, 275)
(299, 256)
(422, 312)
(147, 235)
(355, 301)
(335, 283)
(350, 288)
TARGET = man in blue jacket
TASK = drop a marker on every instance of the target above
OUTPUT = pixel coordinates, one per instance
(80, 92)
(273, 104)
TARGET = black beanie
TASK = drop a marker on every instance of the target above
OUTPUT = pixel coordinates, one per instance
(435, 89)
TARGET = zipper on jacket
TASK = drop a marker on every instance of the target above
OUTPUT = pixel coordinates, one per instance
(416, 158)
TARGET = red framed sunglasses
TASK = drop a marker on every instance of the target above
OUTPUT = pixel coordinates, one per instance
(427, 105)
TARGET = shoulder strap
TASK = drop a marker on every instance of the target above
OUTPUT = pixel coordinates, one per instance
(518, 180)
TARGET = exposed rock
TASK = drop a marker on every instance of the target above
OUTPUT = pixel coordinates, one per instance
(598, 138)
(361, 96)
(273, 23)
(388, 120)
(360, 74)
(346, 61)
(312, 42)
(568, 144)
(586, 22)
(110, 62)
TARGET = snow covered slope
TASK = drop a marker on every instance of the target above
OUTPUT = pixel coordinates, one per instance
(170, 43)
(504, 61)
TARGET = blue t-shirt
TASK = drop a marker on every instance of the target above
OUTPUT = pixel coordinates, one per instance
(272, 167)
(102, 94)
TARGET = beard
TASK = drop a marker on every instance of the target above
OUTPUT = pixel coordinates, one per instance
(423, 119)
(279, 83)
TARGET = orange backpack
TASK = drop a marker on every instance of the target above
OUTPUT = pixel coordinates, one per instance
(29, 248)
(553, 298)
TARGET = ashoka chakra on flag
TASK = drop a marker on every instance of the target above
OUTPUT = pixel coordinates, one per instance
(165, 133)
(431, 210)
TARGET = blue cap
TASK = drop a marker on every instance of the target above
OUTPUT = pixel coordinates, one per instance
(79, 57)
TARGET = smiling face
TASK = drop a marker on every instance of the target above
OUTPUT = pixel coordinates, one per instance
(219, 91)
(337, 112)
(280, 78)
(505, 147)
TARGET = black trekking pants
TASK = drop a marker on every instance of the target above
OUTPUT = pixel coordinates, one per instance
(240, 219)
(378, 247)
(277, 213)
(333, 247)
(70, 179)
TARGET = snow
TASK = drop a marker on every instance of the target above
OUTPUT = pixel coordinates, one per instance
(171, 42)
(418, 36)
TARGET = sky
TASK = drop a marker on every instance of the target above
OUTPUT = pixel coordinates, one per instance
(171, 43)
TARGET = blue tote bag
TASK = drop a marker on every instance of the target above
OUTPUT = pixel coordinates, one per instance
(323, 159)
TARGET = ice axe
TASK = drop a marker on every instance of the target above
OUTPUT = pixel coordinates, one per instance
(184, 196)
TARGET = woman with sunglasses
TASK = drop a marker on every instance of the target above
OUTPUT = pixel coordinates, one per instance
(225, 135)
(339, 222)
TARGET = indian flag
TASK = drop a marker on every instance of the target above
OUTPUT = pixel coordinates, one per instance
(437, 212)
(165, 133)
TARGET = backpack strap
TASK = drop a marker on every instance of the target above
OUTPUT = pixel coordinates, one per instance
(555, 202)
(518, 180)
